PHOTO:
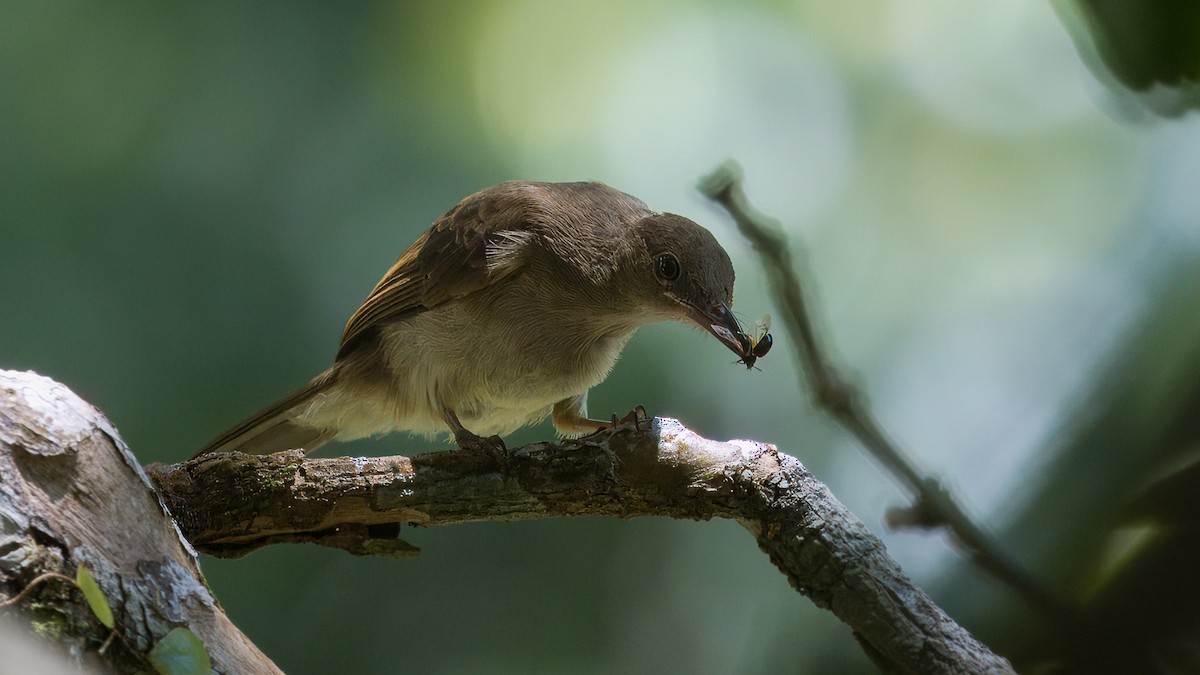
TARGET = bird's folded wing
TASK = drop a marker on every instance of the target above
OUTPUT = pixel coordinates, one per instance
(475, 244)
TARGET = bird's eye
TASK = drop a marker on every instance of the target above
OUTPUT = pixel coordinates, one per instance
(666, 266)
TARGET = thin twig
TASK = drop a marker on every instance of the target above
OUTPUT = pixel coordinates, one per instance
(933, 505)
(33, 584)
(47, 576)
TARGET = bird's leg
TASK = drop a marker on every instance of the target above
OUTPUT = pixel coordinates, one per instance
(493, 446)
(570, 417)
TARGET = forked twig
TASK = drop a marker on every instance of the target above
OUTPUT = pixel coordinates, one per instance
(933, 505)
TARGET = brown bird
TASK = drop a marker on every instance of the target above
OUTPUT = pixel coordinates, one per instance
(514, 304)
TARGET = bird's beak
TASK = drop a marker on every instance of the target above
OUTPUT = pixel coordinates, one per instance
(724, 326)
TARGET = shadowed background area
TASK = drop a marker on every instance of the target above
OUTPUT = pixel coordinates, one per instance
(1004, 251)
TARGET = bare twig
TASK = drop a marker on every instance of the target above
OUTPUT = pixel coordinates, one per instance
(16, 599)
(933, 505)
(229, 504)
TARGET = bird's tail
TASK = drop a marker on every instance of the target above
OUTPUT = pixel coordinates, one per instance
(273, 428)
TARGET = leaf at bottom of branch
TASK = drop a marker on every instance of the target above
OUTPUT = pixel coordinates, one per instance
(94, 596)
(180, 652)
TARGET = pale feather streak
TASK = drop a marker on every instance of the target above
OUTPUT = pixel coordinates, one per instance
(504, 249)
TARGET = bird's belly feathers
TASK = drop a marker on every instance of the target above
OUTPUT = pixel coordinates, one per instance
(497, 376)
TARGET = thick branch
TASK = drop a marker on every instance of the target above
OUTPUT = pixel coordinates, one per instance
(72, 494)
(229, 504)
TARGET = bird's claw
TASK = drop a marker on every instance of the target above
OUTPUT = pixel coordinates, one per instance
(637, 417)
(491, 446)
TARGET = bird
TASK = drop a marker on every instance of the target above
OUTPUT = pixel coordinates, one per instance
(506, 311)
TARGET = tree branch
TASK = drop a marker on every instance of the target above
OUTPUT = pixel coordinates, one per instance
(72, 494)
(934, 505)
(229, 504)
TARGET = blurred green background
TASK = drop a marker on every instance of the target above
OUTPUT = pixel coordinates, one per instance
(194, 198)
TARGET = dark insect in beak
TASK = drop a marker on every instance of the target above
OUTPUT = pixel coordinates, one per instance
(758, 346)
(758, 349)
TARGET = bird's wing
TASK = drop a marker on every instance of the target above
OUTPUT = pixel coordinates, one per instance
(478, 242)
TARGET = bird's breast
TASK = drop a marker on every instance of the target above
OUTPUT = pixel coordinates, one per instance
(498, 363)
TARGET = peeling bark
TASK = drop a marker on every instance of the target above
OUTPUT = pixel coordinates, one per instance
(71, 493)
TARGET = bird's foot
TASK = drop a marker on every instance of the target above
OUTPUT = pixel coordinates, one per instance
(637, 417)
(491, 446)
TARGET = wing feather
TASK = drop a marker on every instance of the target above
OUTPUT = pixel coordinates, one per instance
(448, 261)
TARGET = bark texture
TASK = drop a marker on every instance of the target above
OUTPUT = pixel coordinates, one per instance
(71, 493)
(230, 504)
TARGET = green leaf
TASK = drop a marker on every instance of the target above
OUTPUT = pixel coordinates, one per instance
(94, 596)
(180, 652)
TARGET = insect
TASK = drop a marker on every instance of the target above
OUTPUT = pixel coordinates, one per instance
(760, 342)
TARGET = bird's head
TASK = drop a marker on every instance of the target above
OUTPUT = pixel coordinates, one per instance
(683, 274)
